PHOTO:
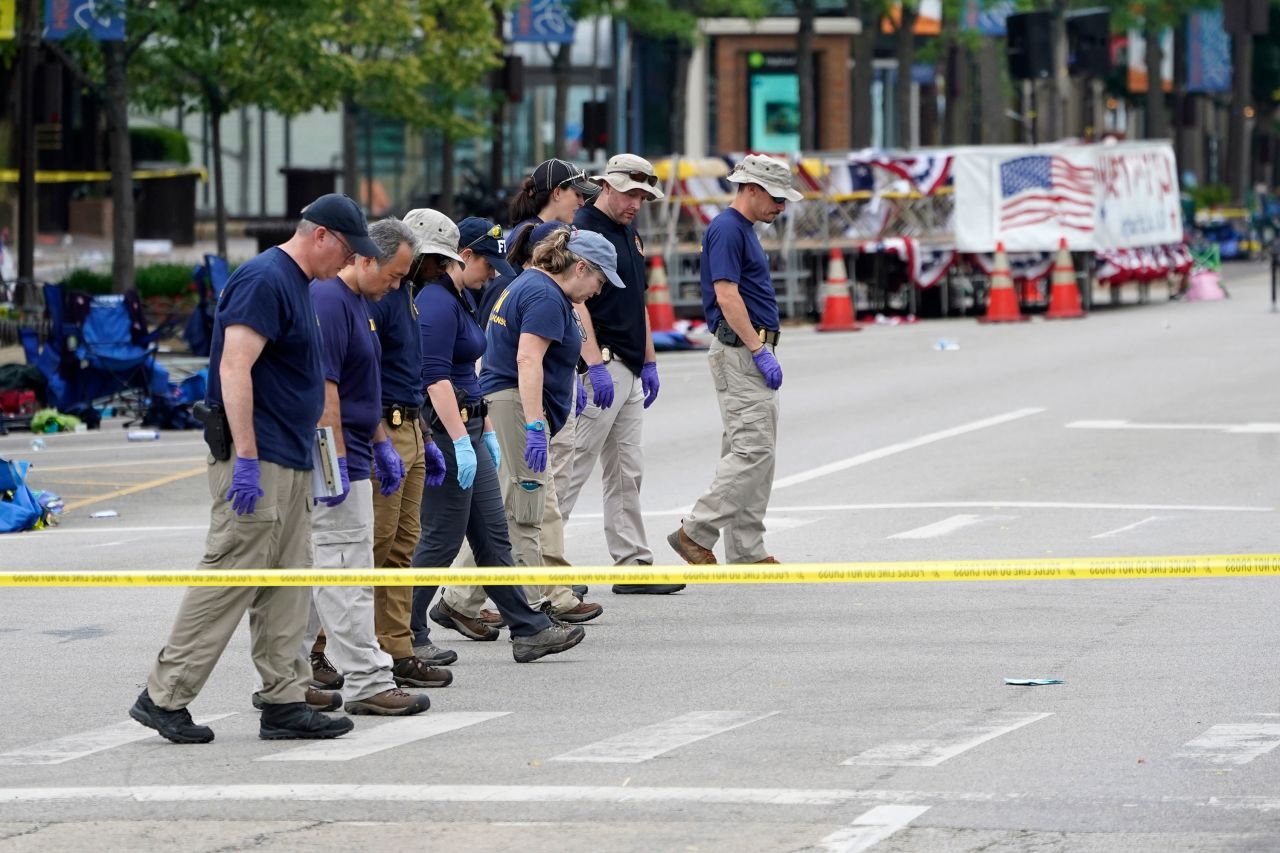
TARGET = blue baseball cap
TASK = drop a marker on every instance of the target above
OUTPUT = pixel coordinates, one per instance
(592, 247)
(339, 213)
(484, 238)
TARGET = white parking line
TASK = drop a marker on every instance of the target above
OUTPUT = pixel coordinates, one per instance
(366, 740)
(949, 525)
(870, 828)
(987, 504)
(649, 742)
(1234, 429)
(1127, 527)
(944, 740)
(64, 749)
(1234, 743)
(901, 447)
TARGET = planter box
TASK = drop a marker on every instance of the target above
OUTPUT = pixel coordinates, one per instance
(90, 217)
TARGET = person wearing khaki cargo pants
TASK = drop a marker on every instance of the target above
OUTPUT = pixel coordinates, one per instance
(395, 534)
(741, 308)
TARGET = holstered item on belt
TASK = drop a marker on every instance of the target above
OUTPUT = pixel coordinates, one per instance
(217, 431)
(397, 415)
(729, 337)
(606, 356)
(478, 409)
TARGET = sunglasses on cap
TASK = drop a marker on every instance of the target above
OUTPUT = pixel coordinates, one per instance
(495, 232)
(638, 177)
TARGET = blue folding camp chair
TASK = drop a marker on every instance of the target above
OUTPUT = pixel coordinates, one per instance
(98, 354)
(210, 279)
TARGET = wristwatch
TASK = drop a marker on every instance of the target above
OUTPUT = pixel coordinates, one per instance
(536, 426)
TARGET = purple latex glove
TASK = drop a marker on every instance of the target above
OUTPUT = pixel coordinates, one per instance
(435, 465)
(580, 402)
(535, 449)
(601, 385)
(346, 485)
(390, 467)
(246, 486)
(768, 367)
(649, 382)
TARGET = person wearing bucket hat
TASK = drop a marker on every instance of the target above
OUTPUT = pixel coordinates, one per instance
(397, 516)
(534, 339)
(469, 503)
(742, 311)
(622, 370)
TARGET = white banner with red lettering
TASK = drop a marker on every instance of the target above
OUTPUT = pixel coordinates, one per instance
(1095, 197)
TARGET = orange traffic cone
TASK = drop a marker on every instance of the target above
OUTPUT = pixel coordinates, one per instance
(837, 304)
(1064, 297)
(662, 317)
(1002, 301)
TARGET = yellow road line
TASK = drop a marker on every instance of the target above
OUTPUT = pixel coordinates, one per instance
(1065, 568)
(37, 468)
(141, 487)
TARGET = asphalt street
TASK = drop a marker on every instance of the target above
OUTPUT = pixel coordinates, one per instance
(755, 718)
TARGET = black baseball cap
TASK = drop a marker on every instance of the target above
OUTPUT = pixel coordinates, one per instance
(484, 238)
(341, 214)
(556, 173)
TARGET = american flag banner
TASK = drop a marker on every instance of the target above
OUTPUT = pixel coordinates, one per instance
(1040, 189)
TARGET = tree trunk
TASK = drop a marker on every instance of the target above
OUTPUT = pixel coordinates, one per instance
(805, 71)
(1236, 156)
(1156, 124)
(1059, 88)
(448, 178)
(862, 48)
(906, 59)
(680, 96)
(959, 96)
(121, 164)
(560, 115)
(350, 164)
(219, 191)
(995, 125)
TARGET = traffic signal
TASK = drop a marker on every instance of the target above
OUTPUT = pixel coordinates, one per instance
(595, 125)
(1089, 42)
(1030, 47)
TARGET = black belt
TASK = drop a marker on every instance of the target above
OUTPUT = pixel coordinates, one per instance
(729, 337)
(479, 409)
(397, 414)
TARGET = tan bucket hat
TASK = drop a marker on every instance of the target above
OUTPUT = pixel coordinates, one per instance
(436, 233)
(772, 175)
(626, 172)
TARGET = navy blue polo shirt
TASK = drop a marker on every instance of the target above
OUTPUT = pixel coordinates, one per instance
(534, 303)
(732, 252)
(618, 316)
(352, 356)
(269, 294)
(452, 339)
(396, 317)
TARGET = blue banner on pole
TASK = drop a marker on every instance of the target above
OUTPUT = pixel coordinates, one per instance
(987, 16)
(545, 21)
(1208, 52)
(101, 20)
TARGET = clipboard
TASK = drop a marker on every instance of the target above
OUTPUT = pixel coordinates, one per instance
(326, 477)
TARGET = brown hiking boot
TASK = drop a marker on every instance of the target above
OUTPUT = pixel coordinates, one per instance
(324, 675)
(390, 703)
(770, 560)
(321, 700)
(493, 617)
(690, 551)
(473, 629)
(413, 671)
(585, 611)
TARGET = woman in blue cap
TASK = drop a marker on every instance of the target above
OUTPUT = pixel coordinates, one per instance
(470, 501)
(530, 364)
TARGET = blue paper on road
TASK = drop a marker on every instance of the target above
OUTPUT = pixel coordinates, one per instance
(1032, 682)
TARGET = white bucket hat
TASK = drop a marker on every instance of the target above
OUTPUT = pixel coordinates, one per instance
(772, 175)
(436, 233)
(626, 172)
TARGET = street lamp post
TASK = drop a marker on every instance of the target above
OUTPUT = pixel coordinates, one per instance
(25, 294)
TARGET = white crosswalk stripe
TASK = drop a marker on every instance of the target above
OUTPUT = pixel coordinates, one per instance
(1234, 743)
(68, 748)
(870, 828)
(944, 740)
(950, 525)
(649, 742)
(368, 738)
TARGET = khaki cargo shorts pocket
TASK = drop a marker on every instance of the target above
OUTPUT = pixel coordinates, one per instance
(526, 500)
(716, 360)
(233, 539)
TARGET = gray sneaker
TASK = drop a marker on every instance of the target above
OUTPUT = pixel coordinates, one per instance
(433, 655)
(557, 637)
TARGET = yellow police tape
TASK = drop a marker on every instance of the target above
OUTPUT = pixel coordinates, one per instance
(1065, 568)
(49, 176)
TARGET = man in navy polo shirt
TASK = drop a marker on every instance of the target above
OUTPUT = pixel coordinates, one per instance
(342, 526)
(266, 389)
(622, 371)
(742, 309)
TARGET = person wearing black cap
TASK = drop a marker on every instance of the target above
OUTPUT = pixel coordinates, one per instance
(266, 393)
(622, 371)
(470, 501)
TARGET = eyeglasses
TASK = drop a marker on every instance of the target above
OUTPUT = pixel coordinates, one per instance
(638, 177)
(604, 279)
(495, 232)
(351, 254)
(582, 330)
